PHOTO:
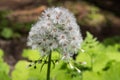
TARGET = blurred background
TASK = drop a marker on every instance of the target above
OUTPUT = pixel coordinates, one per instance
(99, 17)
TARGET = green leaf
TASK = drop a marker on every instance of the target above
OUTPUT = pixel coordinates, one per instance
(31, 54)
(99, 62)
(61, 75)
(113, 73)
(60, 72)
(111, 41)
(55, 55)
(4, 67)
(84, 57)
(23, 73)
(114, 56)
(113, 52)
(89, 45)
(20, 72)
(1, 53)
(7, 33)
(4, 76)
(94, 54)
(88, 75)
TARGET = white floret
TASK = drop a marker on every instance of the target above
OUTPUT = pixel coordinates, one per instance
(56, 28)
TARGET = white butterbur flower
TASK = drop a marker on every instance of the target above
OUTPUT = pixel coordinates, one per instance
(56, 29)
(62, 39)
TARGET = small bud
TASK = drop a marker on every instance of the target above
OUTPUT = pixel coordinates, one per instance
(71, 66)
(35, 67)
(45, 62)
(35, 61)
(78, 70)
(28, 65)
(39, 61)
(82, 50)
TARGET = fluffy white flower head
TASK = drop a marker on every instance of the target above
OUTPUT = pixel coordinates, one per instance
(56, 29)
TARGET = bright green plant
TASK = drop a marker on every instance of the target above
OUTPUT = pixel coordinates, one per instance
(102, 63)
(94, 54)
(37, 71)
(12, 30)
(7, 33)
(4, 68)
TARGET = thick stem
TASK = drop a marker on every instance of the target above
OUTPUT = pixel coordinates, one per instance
(49, 66)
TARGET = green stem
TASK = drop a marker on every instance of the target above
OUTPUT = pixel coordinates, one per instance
(49, 65)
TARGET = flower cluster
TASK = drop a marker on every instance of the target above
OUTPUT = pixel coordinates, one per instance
(56, 29)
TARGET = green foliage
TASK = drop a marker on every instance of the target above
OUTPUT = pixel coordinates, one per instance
(57, 73)
(9, 29)
(103, 59)
(99, 58)
(103, 63)
(23, 73)
(7, 33)
(1, 54)
(55, 56)
(89, 75)
(4, 22)
(94, 18)
(4, 68)
(113, 73)
(112, 41)
(31, 54)
(93, 54)
(60, 72)
(50, 2)
(35, 54)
